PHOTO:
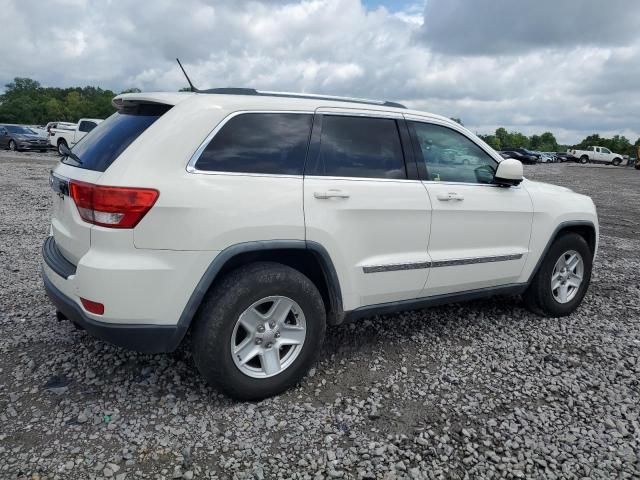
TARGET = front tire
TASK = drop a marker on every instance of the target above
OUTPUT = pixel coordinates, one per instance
(259, 331)
(562, 280)
(616, 162)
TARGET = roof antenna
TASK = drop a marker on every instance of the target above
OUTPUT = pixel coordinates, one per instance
(193, 89)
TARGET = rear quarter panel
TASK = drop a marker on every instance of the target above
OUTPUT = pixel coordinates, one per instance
(203, 211)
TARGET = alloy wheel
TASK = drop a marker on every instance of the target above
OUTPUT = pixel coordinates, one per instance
(567, 276)
(268, 337)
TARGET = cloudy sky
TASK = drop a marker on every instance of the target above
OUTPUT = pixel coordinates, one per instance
(569, 66)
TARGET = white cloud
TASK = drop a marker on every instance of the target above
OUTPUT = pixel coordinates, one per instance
(526, 77)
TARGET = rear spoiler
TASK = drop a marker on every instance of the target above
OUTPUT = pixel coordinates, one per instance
(163, 98)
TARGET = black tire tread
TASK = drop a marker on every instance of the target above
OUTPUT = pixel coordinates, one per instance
(214, 317)
(538, 297)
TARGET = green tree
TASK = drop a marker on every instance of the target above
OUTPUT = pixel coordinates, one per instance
(492, 140)
(26, 101)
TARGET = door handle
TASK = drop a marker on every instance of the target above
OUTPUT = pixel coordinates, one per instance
(333, 193)
(445, 197)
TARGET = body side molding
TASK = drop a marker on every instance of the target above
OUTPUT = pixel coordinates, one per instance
(392, 267)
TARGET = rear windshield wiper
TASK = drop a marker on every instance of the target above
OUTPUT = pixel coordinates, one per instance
(67, 153)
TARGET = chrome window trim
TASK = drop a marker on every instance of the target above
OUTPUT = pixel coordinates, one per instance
(440, 263)
(191, 165)
(362, 179)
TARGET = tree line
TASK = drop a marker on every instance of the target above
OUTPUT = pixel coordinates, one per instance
(25, 101)
(546, 142)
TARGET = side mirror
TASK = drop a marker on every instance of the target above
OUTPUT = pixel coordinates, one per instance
(508, 173)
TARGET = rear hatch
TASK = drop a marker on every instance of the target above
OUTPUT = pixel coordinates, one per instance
(89, 159)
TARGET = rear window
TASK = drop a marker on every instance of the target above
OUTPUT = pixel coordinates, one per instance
(99, 148)
(270, 143)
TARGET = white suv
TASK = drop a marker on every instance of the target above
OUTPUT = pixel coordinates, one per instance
(253, 219)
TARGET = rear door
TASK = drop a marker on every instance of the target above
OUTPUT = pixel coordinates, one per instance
(479, 231)
(96, 152)
(364, 203)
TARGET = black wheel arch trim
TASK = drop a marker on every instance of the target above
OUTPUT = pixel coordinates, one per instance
(559, 228)
(216, 265)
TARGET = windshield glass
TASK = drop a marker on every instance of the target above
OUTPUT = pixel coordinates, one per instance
(18, 129)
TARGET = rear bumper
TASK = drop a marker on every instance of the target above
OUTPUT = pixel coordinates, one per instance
(141, 338)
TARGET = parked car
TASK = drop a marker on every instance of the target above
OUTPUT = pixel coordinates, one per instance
(18, 137)
(524, 158)
(62, 125)
(546, 157)
(563, 156)
(254, 219)
(597, 155)
(65, 138)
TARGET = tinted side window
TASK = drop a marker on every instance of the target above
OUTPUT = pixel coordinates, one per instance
(449, 156)
(86, 126)
(272, 143)
(360, 147)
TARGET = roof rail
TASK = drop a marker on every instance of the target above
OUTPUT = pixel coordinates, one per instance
(253, 91)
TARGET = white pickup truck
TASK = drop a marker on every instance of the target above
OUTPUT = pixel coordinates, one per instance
(597, 155)
(59, 137)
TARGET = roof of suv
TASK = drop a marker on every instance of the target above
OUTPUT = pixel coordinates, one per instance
(268, 100)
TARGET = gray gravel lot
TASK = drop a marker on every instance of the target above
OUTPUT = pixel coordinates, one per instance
(477, 390)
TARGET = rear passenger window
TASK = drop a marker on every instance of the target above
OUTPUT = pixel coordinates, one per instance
(272, 143)
(359, 147)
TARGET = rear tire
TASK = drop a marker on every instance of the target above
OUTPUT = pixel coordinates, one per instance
(13, 146)
(584, 159)
(237, 357)
(541, 297)
(60, 143)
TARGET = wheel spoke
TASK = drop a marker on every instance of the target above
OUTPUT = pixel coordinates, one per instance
(270, 360)
(574, 280)
(563, 292)
(251, 319)
(246, 351)
(280, 309)
(573, 262)
(555, 280)
(291, 335)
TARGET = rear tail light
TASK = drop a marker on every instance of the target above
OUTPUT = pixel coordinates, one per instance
(113, 207)
(92, 307)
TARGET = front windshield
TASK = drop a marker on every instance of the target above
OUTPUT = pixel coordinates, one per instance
(19, 130)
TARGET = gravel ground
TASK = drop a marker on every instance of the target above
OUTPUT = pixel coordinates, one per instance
(477, 390)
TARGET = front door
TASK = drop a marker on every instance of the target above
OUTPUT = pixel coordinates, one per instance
(479, 231)
(363, 207)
